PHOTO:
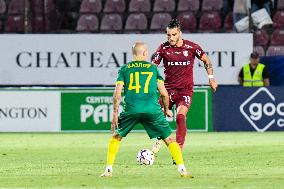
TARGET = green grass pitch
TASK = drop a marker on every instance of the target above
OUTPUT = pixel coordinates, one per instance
(75, 160)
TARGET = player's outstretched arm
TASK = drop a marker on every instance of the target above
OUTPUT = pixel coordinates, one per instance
(209, 69)
(165, 99)
(116, 102)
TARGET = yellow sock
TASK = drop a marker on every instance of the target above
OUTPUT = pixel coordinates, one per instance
(176, 153)
(113, 147)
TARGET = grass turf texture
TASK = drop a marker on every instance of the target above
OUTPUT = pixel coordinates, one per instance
(75, 160)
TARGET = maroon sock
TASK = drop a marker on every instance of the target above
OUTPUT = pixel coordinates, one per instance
(181, 130)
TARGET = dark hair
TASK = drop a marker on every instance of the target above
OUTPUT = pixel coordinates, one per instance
(254, 55)
(174, 23)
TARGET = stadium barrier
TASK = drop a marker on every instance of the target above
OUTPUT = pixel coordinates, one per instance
(248, 109)
(88, 110)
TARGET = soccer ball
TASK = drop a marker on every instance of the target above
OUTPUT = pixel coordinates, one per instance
(145, 157)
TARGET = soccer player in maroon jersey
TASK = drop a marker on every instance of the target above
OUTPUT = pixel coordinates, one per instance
(178, 57)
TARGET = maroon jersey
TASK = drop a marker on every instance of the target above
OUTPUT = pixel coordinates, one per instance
(178, 64)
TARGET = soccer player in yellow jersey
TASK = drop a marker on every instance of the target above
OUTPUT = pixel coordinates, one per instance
(141, 80)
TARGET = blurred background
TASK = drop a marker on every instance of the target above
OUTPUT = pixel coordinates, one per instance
(143, 16)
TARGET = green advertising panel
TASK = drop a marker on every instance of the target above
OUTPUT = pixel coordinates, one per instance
(91, 110)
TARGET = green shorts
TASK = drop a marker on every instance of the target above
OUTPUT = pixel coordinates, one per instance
(155, 125)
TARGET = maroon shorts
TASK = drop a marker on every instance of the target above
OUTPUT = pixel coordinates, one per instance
(179, 98)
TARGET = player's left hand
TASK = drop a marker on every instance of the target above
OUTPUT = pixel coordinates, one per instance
(114, 122)
(213, 84)
(169, 113)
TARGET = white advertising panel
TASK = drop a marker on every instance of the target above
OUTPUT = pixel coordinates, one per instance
(94, 59)
(30, 111)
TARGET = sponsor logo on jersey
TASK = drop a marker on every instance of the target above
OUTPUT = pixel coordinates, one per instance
(185, 63)
(198, 52)
(185, 53)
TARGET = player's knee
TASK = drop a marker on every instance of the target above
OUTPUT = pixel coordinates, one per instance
(181, 109)
(169, 140)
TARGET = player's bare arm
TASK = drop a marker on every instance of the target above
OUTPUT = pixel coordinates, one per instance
(165, 99)
(209, 69)
(116, 102)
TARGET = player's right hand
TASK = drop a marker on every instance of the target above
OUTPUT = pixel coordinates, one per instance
(114, 122)
(213, 84)
(169, 113)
